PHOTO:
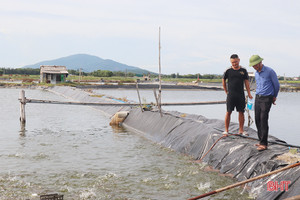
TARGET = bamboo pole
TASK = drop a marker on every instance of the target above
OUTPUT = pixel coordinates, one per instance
(137, 89)
(294, 198)
(246, 181)
(159, 76)
(22, 107)
(121, 104)
(156, 98)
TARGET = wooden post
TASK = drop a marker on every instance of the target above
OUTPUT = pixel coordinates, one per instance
(137, 89)
(22, 107)
(22, 130)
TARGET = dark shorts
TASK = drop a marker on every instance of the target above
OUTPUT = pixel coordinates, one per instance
(237, 102)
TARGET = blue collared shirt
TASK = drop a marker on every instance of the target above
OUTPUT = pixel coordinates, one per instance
(267, 82)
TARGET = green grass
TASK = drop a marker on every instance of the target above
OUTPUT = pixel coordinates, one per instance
(20, 76)
(293, 82)
(10, 84)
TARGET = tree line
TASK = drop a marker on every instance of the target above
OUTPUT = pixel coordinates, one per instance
(36, 71)
(26, 71)
(102, 73)
(106, 73)
(195, 76)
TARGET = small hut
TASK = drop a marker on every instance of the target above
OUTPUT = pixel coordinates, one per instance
(53, 74)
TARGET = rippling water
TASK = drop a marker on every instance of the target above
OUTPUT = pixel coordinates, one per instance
(71, 150)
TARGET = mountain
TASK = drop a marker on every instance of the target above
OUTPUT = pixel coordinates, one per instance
(89, 63)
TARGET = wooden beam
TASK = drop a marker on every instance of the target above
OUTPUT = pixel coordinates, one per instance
(122, 104)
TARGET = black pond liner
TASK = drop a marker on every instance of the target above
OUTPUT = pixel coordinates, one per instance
(195, 134)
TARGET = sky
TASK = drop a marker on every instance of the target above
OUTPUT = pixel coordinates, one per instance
(197, 36)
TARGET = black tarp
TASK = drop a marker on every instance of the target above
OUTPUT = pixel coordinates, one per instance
(195, 134)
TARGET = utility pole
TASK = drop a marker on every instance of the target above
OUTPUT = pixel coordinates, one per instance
(79, 74)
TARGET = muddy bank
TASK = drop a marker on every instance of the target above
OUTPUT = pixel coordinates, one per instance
(194, 135)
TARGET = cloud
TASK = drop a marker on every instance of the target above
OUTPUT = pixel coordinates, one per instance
(195, 34)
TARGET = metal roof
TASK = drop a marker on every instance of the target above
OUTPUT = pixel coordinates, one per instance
(53, 69)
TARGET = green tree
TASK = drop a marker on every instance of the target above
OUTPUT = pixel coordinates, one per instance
(118, 73)
(73, 72)
(27, 71)
(102, 73)
(173, 75)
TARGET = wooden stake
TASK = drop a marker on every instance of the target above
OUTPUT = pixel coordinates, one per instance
(22, 107)
(137, 89)
(245, 181)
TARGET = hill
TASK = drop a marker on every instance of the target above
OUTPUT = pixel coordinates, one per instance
(89, 63)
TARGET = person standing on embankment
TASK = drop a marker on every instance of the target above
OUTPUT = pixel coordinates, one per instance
(267, 88)
(236, 76)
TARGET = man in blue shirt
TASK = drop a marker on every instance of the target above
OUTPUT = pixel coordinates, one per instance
(267, 88)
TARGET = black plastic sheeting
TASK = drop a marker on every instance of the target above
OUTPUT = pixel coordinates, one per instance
(195, 134)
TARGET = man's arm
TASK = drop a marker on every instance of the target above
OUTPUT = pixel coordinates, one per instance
(276, 85)
(248, 88)
(224, 85)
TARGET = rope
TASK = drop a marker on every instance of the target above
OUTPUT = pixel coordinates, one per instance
(250, 121)
(215, 144)
(211, 148)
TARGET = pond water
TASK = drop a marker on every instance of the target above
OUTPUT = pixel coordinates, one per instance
(71, 150)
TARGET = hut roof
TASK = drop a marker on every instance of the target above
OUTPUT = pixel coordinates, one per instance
(53, 69)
